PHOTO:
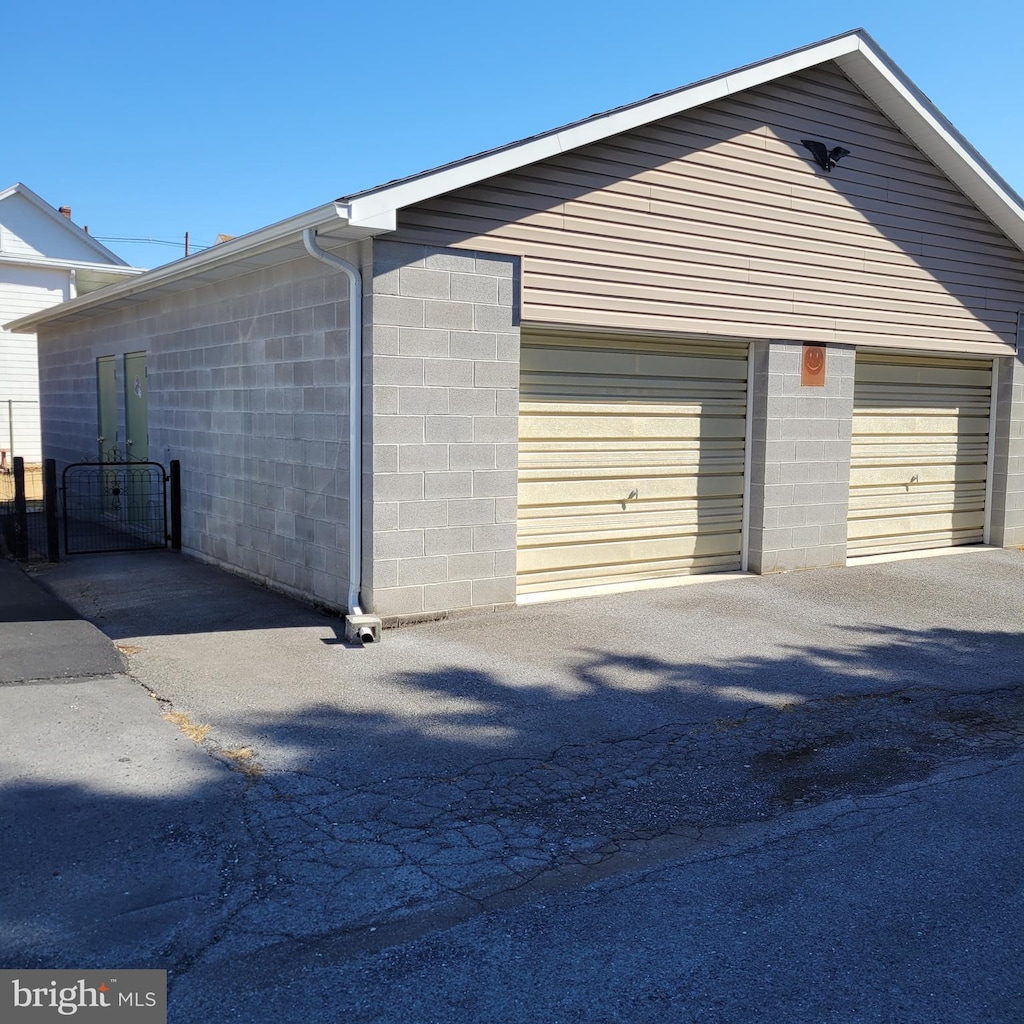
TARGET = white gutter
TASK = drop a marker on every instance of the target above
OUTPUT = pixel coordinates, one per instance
(119, 269)
(363, 631)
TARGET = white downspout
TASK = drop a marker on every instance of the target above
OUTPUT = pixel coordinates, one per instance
(363, 631)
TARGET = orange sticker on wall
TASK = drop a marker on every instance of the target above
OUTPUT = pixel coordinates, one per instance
(812, 369)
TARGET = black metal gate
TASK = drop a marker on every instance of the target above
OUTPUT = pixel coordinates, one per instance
(114, 506)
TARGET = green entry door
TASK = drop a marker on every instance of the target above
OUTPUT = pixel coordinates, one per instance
(106, 394)
(136, 407)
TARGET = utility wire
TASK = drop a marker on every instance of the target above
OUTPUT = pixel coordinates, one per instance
(150, 241)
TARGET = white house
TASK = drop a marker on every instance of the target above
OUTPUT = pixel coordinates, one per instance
(44, 259)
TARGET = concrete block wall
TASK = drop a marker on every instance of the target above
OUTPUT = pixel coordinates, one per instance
(800, 459)
(441, 446)
(248, 387)
(1007, 528)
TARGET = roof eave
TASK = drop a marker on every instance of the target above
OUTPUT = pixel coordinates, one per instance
(331, 217)
(874, 72)
(51, 263)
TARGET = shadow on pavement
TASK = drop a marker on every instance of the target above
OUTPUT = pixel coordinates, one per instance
(22, 601)
(360, 817)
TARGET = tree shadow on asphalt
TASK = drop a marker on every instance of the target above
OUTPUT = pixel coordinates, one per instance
(456, 713)
(361, 814)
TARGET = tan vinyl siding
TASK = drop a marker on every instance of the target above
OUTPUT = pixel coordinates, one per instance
(919, 457)
(716, 222)
(631, 457)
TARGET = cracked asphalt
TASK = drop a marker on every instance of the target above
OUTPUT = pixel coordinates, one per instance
(616, 809)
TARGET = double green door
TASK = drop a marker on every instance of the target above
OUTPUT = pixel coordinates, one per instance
(123, 486)
(134, 444)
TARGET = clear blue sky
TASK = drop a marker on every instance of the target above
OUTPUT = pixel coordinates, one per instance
(150, 119)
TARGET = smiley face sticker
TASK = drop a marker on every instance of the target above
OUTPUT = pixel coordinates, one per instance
(812, 371)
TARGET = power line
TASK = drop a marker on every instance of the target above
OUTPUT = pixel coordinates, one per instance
(148, 241)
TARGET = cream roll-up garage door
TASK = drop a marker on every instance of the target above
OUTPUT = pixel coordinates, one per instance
(919, 458)
(631, 459)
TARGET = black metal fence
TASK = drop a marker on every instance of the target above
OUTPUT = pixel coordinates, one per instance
(114, 506)
(24, 515)
(103, 506)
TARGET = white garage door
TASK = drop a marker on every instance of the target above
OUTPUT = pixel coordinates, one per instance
(920, 453)
(630, 461)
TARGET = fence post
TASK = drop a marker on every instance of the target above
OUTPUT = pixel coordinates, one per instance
(20, 510)
(50, 510)
(175, 505)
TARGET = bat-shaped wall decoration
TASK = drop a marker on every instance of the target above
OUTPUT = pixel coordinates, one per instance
(825, 158)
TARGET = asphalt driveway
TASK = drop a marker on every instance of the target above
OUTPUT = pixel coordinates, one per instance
(461, 771)
(272, 674)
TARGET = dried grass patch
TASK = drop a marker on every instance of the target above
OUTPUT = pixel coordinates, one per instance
(244, 759)
(195, 732)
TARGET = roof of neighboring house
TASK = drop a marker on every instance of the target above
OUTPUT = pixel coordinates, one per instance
(104, 254)
(374, 211)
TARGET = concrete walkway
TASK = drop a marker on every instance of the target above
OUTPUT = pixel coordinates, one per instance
(353, 801)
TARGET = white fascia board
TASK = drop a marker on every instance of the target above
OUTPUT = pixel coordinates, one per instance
(263, 240)
(383, 221)
(48, 262)
(882, 81)
(387, 200)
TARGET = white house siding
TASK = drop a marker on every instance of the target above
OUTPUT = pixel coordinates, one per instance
(23, 290)
(248, 389)
(718, 222)
(26, 231)
(19, 397)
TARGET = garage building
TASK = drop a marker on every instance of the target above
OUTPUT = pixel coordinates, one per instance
(762, 323)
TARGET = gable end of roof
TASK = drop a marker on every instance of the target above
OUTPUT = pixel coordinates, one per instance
(18, 188)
